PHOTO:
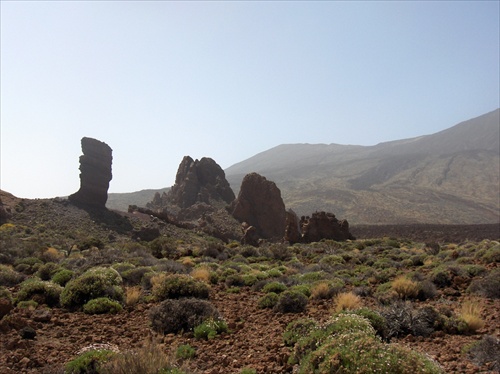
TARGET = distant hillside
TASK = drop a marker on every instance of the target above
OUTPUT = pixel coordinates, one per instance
(121, 201)
(450, 177)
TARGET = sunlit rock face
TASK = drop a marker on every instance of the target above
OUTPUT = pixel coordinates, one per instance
(95, 173)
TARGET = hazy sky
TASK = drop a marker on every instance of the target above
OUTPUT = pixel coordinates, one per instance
(160, 80)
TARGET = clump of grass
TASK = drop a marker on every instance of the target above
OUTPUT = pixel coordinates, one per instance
(210, 328)
(201, 273)
(470, 313)
(405, 288)
(89, 361)
(132, 295)
(347, 301)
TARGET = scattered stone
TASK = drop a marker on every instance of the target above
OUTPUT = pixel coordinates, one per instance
(27, 332)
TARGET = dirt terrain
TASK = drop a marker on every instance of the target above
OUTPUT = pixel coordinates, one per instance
(255, 339)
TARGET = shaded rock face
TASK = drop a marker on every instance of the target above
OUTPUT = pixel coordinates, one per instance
(292, 228)
(95, 168)
(199, 181)
(322, 225)
(259, 203)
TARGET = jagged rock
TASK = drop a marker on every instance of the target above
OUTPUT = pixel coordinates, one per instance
(292, 228)
(95, 167)
(322, 225)
(199, 181)
(259, 203)
(250, 235)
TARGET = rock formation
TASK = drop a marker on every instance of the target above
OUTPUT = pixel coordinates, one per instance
(259, 204)
(95, 167)
(197, 181)
(292, 228)
(322, 225)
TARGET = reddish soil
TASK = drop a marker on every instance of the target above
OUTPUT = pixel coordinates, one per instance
(255, 339)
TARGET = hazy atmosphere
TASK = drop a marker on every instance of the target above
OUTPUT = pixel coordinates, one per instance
(160, 80)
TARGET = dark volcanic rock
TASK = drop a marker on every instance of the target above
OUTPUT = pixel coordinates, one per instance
(95, 167)
(324, 225)
(198, 181)
(259, 203)
(292, 229)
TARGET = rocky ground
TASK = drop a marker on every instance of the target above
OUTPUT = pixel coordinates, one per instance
(255, 338)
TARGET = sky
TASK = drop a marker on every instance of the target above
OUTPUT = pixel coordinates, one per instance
(159, 80)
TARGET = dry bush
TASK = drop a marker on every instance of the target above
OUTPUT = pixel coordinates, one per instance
(52, 255)
(132, 295)
(201, 273)
(405, 288)
(347, 301)
(150, 359)
(470, 313)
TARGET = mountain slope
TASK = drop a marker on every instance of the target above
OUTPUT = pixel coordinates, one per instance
(452, 176)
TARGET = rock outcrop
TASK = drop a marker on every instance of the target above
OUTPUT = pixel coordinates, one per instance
(197, 181)
(95, 167)
(260, 205)
(322, 225)
(292, 228)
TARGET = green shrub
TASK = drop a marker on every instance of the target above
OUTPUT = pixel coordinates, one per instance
(297, 329)
(43, 292)
(291, 302)
(63, 276)
(102, 305)
(276, 287)
(347, 344)
(47, 270)
(94, 283)
(176, 286)
(28, 265)
(302, 288)
(210, 328)
(134, 276)
(185, 352)
(377, 321)
(269, 300)
(489, 286)
(9, 277)
(89, 362)
(174, 315)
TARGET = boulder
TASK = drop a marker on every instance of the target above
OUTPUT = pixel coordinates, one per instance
(259, 203)
(322, 225)
(95, 168)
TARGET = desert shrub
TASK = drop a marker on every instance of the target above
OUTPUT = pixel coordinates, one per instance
(377, 321)
(347, 301)
(276, 287)
(280, 252)
(249, 279)
(89, 362)
(169, 266)
(332, 260)
(426, 290)
(234, 280)
(248, 371)
(296, 330)
(52, 255)
(185, 352)
(43, 292)
(175, 286)
(210, 328)
(326, 289)
(172, 316)
(149, 359)
(312, 277)
(474, 270)
(491, 255)
(47, 270)
(164, 247)
(62, 276)
(347, 344)
(133, 276)
(94, 283)
(7, 303)
(441, 277)
(269, 300)
(291, 302)
(102, 305)
(249, 251)
(28, 265)
(470, 313)
(489, 286)
(403, 319)
(405, 288)
(302, 288)
(486, 351)
(9, 277)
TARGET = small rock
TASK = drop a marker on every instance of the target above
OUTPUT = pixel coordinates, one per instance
(42, 315)
(27, 332)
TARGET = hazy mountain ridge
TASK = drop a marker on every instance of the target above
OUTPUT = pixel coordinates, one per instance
(452, 176)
